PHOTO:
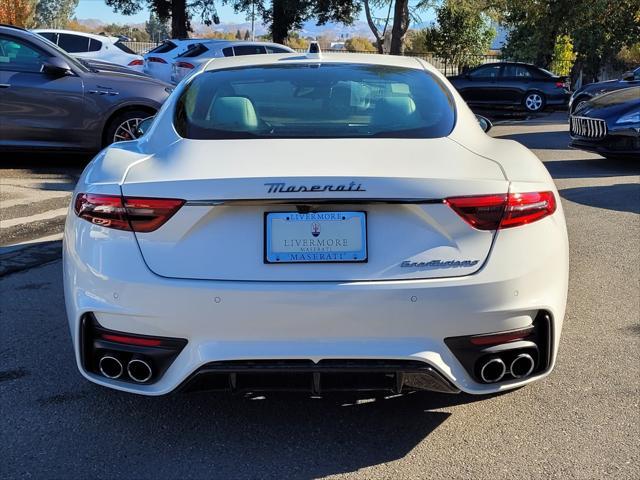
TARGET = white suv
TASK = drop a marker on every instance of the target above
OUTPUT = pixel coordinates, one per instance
(157, 62)
(94, 47)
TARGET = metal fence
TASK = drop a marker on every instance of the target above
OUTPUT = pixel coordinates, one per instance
(446, 66)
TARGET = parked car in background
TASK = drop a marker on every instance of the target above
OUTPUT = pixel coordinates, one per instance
(609, 124)
(157, 62)
(50, 100)
(198, 54)
(94, 47)
(512, 84)
(590, 90)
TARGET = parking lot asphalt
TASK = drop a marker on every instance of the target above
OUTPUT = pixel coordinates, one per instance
(583, 421)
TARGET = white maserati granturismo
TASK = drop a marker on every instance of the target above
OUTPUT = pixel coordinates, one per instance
(318, 223)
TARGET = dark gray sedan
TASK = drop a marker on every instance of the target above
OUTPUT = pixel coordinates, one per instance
(50, 100)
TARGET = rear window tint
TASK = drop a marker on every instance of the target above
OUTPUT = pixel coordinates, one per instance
(163, 47)
(123, 47)
(94, 45)
(315, 101)
(197, 50)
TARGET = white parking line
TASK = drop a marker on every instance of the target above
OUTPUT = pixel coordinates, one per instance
(59, 212)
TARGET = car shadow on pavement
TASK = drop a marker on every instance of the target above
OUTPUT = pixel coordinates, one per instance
(592, 168)
(541, 140)
(622, 197)
(269, 435)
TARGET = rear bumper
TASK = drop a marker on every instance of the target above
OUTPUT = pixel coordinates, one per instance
(316, 322)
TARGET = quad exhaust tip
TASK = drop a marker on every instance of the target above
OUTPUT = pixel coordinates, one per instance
(110, 367)
(493, 370)
(522, 366)
(139, 370)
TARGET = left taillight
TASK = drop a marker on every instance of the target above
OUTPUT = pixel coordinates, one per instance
(126, 213)
(492, 212)
(133, 63)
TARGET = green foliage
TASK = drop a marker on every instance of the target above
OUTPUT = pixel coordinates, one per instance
(359, 44)
(157, 29)
(563, 56)
(600, 29)
(630, 56)
(54, 13)
(285, 16)
(461, 35)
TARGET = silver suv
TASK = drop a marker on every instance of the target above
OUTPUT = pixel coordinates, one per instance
(51, 100)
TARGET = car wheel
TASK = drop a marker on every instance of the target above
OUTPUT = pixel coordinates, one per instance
(534, 102)
(123, 127)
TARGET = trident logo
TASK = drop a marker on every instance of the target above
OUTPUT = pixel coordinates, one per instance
(315, 229)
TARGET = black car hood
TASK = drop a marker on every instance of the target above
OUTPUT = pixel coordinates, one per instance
(612, 104)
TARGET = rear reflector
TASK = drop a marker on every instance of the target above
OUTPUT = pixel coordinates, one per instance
(184, 65)
(133, 63)
(156, 60)
(500, 338)
(142, 342)
(491, 212)
(134, 214)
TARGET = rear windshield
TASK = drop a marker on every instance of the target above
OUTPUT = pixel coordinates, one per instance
(194, 51)
(163, 47)
(123, 47)
(315, 101)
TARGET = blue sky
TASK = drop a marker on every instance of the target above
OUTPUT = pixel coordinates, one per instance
(99, 10)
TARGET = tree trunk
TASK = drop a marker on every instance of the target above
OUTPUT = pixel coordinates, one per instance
(372, 26)
(279, 26)
(179, 20)
(400, 26)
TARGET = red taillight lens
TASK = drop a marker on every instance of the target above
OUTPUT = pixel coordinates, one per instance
(184, 65)
(500, 338)
(491, 212)
(140, 341)
(156, 60)
(482, 212)
(133, 63)
(137, 214)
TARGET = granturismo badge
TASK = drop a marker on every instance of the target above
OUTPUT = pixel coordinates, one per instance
(282, 187)
(439, 264)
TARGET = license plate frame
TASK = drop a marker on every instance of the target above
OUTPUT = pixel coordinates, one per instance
(358, 255)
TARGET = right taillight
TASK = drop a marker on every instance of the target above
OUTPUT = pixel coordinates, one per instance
(128, 213)
(184, 65)
(156, 60)
(492, 212)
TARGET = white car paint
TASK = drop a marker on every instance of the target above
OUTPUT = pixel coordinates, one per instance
(190, 279)
(158, 63)
(181, 67)
(97, 47)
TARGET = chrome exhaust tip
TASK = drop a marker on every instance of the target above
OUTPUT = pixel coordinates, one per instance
(139, 370)
(522, 366)
(493, 370)
(110, 367)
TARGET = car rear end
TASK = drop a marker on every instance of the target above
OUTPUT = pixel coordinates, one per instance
(319, 247)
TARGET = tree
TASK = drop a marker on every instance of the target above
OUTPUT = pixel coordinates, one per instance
(296, 42)
(247, 35)
(600, 29)
(462, 34)
(563, 56)
(54, 13)
(17, 12)
(285, 16)
(399, 14)
(156, 29)
(359, 44)
(238, 35)
(179, 11)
